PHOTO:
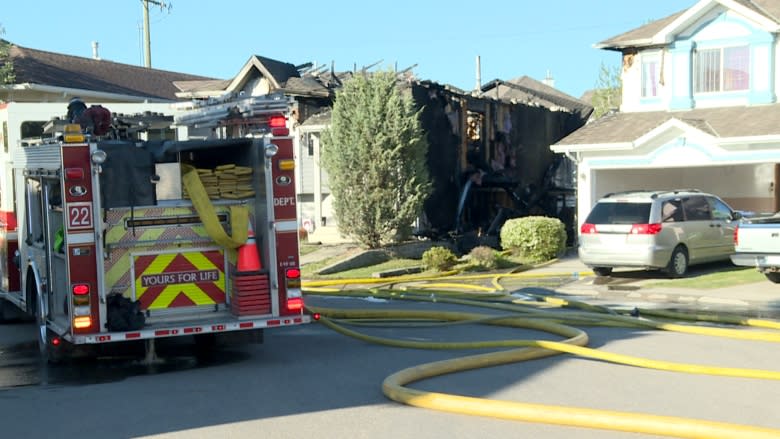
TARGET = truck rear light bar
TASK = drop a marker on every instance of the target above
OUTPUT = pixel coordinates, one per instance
(74, 173)
(294, 294)
(82, 322)
(80, 289)
(295, 303)
(278, 121)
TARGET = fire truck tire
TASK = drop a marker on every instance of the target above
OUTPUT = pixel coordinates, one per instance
(37, 309)
(10, 313)
(40, 321)
(4, 307)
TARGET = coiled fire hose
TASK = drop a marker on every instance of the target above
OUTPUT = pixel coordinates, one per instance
(239, 215)
(538, 314)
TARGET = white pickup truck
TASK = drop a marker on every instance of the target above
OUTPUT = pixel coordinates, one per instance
(757, 244)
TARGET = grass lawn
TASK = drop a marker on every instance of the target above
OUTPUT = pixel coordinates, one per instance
(309, 271)
(719, 279)
(305, 249)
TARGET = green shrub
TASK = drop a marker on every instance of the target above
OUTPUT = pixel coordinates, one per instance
(484, 257)
(439, 258)
(534, 238)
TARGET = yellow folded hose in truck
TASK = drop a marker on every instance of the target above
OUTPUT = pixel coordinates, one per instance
(239, 216)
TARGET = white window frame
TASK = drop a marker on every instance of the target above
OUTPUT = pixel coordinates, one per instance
(721, 79)
(649, 84)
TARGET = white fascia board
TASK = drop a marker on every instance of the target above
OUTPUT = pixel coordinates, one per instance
(763, 21)
(241, 78)
(631, 43)
(753, 140)
(564, 149)
(68, 92)
(200, 94)
(668, 125)
(312, 128)
(667, 34)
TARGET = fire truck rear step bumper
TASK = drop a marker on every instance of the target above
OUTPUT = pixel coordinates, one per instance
(183, 329)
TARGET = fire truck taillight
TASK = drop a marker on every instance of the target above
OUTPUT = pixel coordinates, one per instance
(293, 276)
(80, 289)
(278, 125)
(278, 121)
(74, 173)
(82, 322)
(80, 294)
(294, 296)
(295, 303)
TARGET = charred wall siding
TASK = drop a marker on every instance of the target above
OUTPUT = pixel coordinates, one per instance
(512, 152)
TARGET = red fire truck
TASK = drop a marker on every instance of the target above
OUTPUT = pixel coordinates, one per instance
(120, 239)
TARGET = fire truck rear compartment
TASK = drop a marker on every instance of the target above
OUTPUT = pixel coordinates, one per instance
(162, 241)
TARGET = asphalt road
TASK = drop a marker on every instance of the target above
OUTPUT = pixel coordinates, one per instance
(312, 382)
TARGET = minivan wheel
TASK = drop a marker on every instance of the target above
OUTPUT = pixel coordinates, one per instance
(773, 276)
(678, 263)
(602, 271)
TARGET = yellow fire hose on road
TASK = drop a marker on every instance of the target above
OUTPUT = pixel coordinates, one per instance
(542, 315)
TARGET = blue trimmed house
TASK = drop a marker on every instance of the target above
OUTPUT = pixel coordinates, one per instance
(699, 109)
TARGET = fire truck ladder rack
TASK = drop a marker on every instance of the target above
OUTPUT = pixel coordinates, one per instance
(213, 112)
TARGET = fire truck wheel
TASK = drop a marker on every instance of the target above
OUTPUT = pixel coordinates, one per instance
(40, 319)
(3, 307)
(48, 353)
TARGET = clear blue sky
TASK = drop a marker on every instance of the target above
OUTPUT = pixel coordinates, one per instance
(215, 38)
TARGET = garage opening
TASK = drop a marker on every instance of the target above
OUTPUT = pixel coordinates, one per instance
(751, 188)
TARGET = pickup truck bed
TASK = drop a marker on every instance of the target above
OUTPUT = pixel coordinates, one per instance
(757, 244)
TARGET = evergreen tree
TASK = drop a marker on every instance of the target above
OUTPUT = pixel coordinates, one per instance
(6, 66)
(608, 93)
(375, 154)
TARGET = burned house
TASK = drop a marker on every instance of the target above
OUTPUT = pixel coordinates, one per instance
(489, 157)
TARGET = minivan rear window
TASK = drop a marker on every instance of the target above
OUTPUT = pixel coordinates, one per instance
(619, 213)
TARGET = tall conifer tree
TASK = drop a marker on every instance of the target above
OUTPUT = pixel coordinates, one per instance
(375, 155)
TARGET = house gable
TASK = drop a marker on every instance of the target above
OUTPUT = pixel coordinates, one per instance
(258, 76)
(691, 59)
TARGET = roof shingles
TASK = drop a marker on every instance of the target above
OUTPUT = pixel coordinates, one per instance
(724, 122)
(47, 68)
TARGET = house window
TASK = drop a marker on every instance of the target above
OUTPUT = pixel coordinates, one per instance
(32, 129)
(651, 76)
(722, 69)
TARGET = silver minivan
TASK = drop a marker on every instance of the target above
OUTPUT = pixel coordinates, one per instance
(661, 230)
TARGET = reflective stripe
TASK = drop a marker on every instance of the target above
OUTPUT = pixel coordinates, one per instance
(179, 279)
(81, 238)
(286, 226)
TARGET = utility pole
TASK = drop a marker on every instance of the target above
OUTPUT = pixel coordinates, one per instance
(147, 32)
